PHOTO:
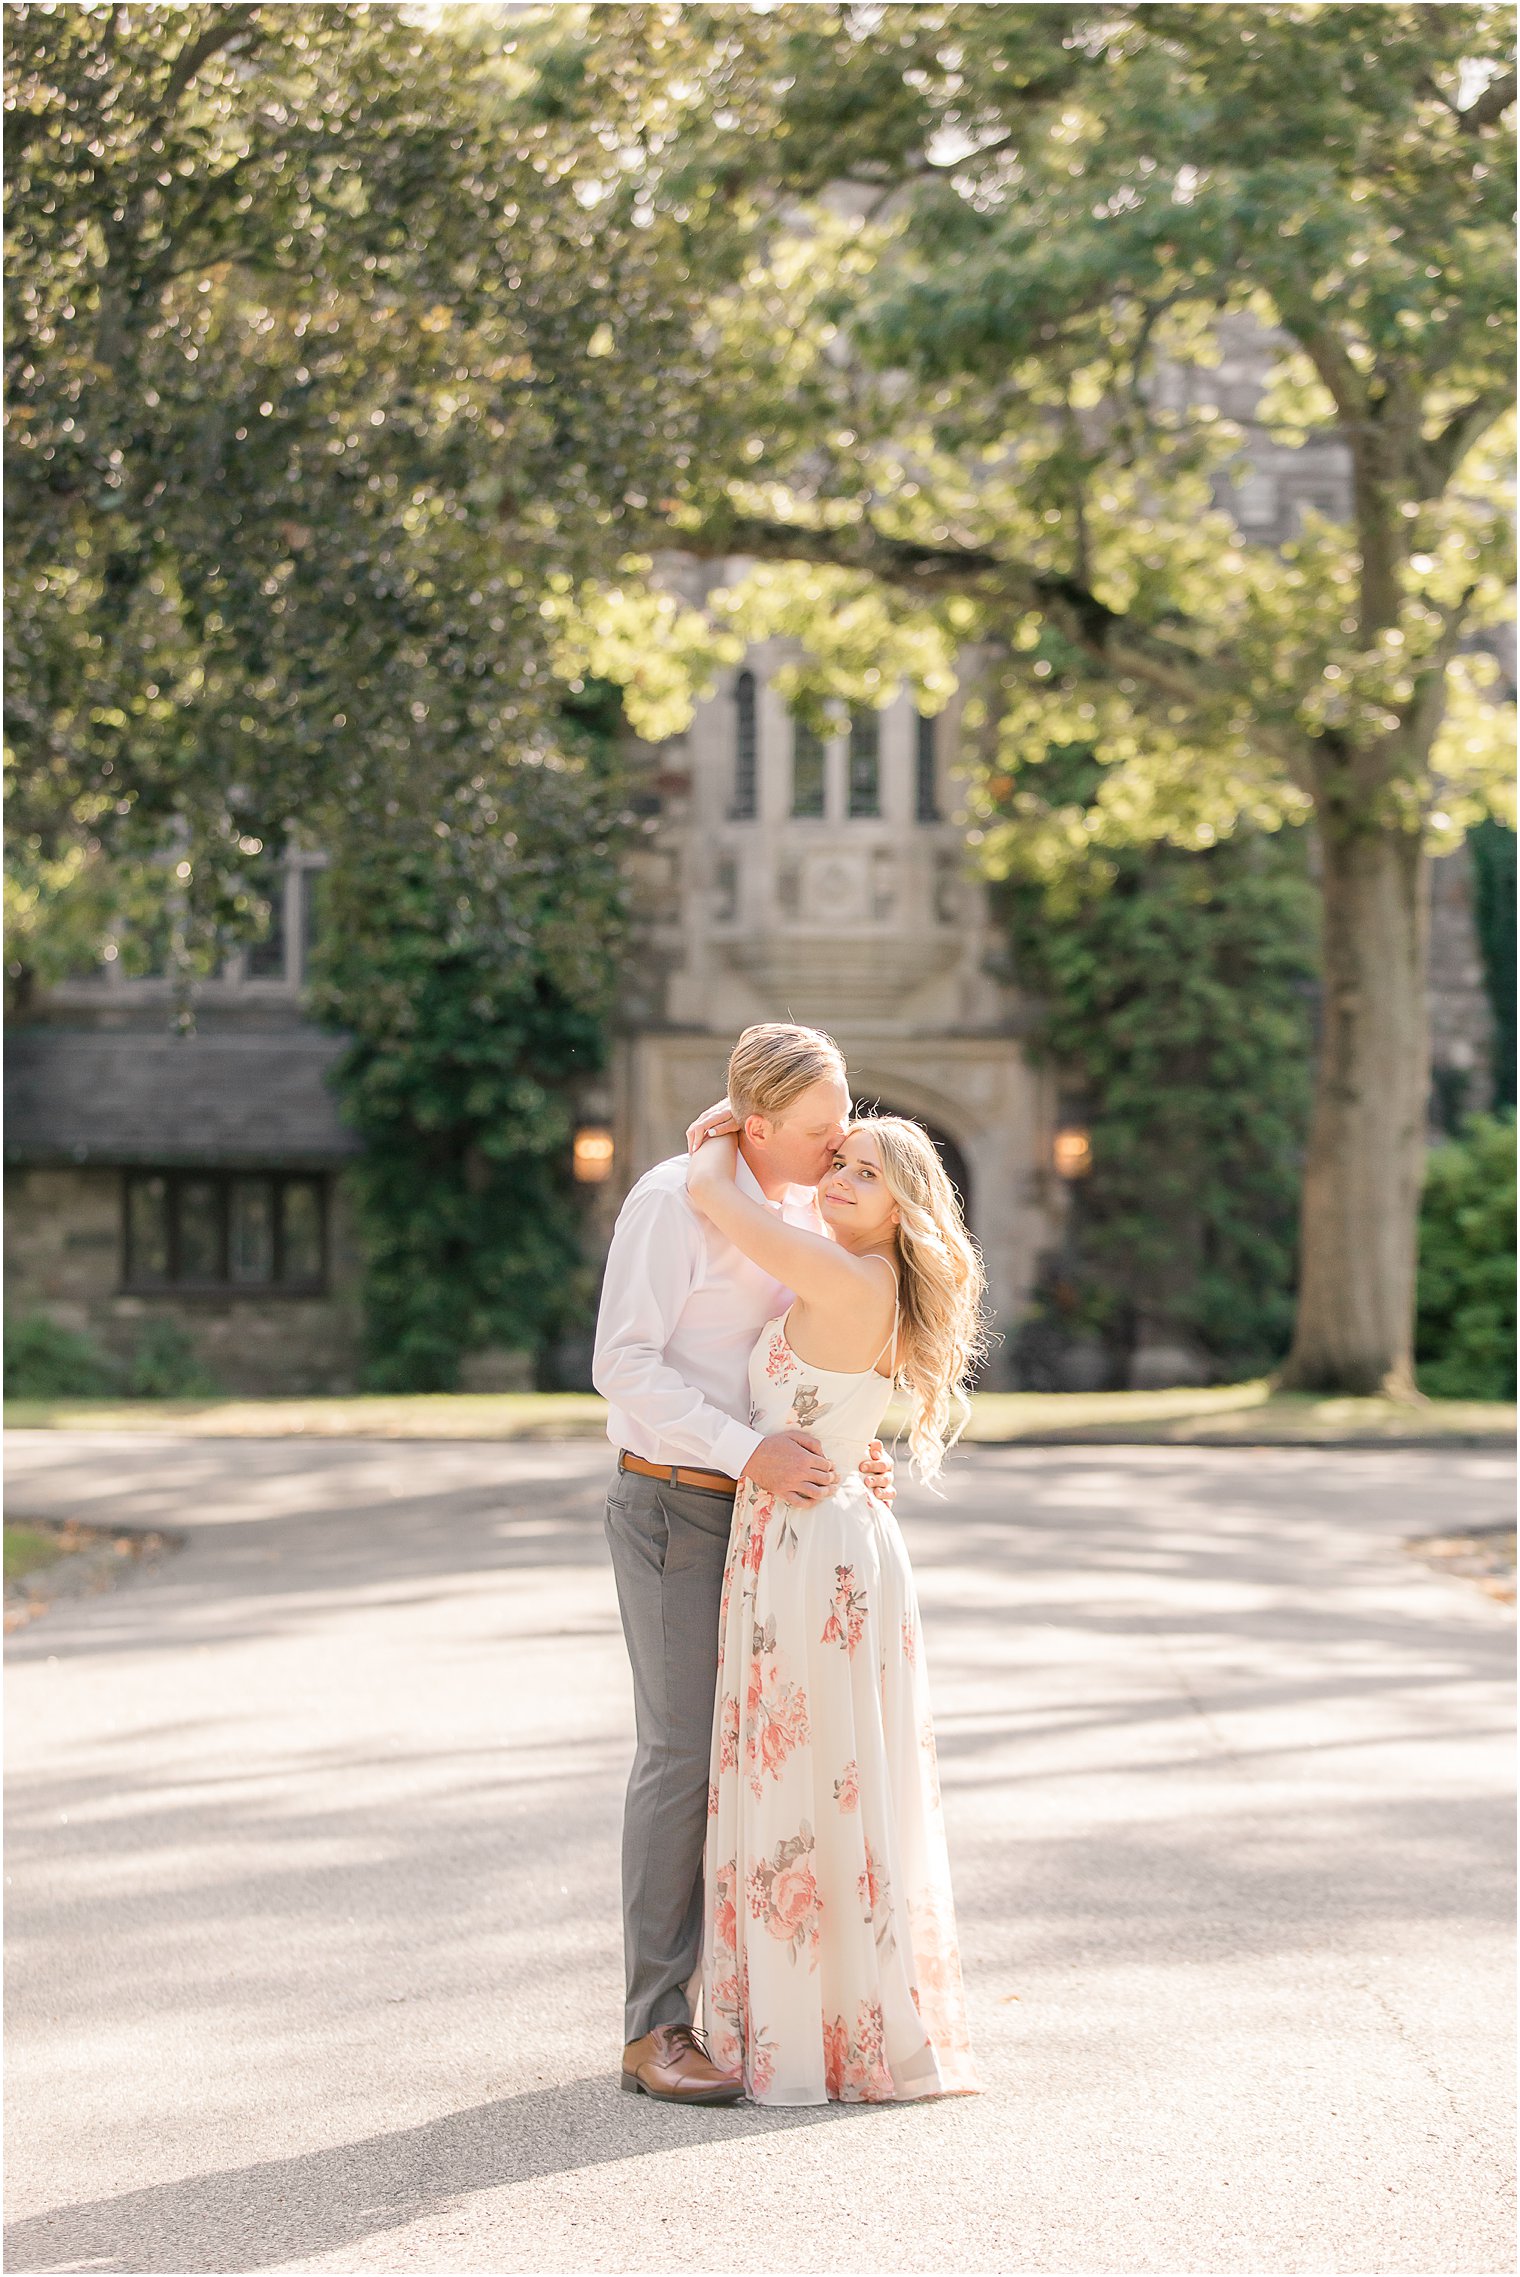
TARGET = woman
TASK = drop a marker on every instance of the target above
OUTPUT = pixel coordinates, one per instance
(830, 1966)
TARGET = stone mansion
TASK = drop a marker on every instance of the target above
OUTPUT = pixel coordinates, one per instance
(777, 875)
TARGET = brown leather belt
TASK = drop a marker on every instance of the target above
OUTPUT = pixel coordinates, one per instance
(710, 1482)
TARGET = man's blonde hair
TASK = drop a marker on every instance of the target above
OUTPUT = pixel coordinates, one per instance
(773, 1064)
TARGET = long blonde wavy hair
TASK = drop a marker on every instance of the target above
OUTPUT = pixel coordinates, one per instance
(942, 1333)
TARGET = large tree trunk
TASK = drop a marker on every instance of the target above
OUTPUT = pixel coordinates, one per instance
(1355, 1327)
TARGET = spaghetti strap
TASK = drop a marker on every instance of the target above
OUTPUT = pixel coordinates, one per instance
(891, 1343)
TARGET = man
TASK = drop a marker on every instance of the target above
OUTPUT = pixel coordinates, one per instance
(680, 1314)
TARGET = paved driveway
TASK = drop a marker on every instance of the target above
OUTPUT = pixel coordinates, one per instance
(313, 1858)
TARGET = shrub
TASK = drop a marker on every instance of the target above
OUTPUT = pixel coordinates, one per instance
(164, 1365)
(44, 1361)
(1465, 1328)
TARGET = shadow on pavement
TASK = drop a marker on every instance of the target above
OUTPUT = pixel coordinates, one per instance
(286, 2209)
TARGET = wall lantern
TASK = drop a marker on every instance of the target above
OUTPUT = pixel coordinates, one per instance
(593, 1156)
(1071, 1151)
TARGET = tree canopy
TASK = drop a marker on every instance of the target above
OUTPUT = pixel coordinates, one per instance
(335, 366)
(362, 367)
(323, 357)
(993, 250)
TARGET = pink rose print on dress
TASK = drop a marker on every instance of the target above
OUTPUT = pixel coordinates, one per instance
(776, 1744)
(855, 2066)
(723, 2023)
(779, 1363)
(728, 1734)
(910, 1643)
(875, 1892)
(783, 1893)
(847, 1788)
(712, 1798)
(759, 2049)
(846, 1624)
(870, 1884)
(776, 1713)
(794, 1899)
(762, 1511)
(725, 1909)
(938, 1996)
(836, 2053)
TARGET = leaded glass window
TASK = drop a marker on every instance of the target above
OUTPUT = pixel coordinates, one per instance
(225, 1229)
(745, 749)
(807, 771)
(865, 763)
(147, 1231)
(927, 782)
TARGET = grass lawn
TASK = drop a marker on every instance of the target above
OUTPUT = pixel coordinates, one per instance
(26, 1548)
(1246, 1414)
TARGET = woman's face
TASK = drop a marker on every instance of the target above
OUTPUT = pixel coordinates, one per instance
(853, 1194)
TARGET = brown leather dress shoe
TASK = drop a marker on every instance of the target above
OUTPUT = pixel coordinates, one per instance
(671, 2064)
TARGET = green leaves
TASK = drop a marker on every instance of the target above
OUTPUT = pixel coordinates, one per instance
(1465, 1327)
(1006, 351)
(331, 357)
(307, 403)
(1174, 1011)
(472, 962)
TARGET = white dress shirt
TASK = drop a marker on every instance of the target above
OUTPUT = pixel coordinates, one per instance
(680, 1313)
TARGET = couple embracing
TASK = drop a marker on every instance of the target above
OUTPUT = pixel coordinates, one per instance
(764, 1294)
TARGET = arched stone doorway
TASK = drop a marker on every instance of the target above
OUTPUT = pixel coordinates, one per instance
(957, 1169)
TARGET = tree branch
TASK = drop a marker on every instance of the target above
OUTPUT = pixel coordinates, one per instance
(1423, 713)
(1494, 101)
(1104, 636)
(1336, 371)
(165, 264)
(1445, 452)
(225, 26)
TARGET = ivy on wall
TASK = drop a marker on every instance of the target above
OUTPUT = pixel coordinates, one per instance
(1493, 859)
(1175, 1001)
(470, 956)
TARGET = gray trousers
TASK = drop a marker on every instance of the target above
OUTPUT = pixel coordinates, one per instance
(669, 1545)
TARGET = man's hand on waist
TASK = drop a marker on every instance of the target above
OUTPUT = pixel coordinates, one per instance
(793, 1465)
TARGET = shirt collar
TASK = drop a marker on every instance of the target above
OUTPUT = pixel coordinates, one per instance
(748, 1183)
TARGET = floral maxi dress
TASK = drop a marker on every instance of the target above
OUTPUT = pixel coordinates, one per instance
(830, 1966)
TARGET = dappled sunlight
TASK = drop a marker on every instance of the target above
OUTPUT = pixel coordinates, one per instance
(322, 1818)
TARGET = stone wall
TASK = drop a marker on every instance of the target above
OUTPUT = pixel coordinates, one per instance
(63, 1241)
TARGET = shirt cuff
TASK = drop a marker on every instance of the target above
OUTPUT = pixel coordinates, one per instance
(732, 1448)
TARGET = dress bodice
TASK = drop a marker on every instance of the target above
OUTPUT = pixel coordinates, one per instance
(842, 1408)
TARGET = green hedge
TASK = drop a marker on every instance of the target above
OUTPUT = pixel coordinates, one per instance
(1493, 858)
(44, 1361)
(1465, 1328)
